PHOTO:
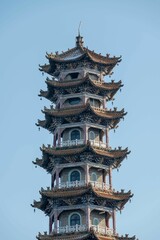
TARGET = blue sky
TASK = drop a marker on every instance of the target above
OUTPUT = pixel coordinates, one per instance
(28, 30)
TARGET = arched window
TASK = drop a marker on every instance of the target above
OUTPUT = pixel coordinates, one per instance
(75, 219)
(95, 221)
(74, 176)
(91, 135)
(93, 177)
(75, 134)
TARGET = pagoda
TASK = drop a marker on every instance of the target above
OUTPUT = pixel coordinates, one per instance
(81, 202)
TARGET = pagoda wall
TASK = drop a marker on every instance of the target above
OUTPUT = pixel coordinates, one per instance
(100, 217)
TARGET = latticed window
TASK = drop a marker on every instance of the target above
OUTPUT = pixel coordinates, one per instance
(75, 219)
(75, 176)
(75, 134)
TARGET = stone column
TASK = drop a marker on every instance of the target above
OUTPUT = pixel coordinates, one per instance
(59, 136)
(107, 138)
(55, 221)
(50, 224)
(110, 178)
(87, 173)
(57, 176)
(88, 221)
(114, 221)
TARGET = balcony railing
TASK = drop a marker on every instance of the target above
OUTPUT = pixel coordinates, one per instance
(76, 142)
(83, 228)
(72, 184)
(103, 230)
(68, 229)
(100, 185)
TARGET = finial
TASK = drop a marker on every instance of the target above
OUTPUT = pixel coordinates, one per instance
(79, 28)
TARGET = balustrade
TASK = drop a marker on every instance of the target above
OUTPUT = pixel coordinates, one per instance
(69, 229)
(102, 230)
(100, 185)
(76, 142)
(82, 228)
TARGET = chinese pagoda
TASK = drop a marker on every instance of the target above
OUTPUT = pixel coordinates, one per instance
(81, 203)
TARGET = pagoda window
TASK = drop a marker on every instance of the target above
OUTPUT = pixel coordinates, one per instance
(74, 219)
(75, 134)
(74, 176)
(95, 102)
(71, 76)
(95, 221)
(91, 135)
(93, 177)
(74, 101)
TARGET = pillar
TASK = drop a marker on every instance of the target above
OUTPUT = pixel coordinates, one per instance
(50, 224)
(87, 173)
(114, 221)
(110, 178)
(56, 221)
(88, 222)
(57, 177)
(107, 138)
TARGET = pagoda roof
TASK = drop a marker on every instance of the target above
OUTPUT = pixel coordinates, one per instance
(117, 199)
(108, 152)
(109, 157)
(72, 111)
(104, 117)
(90, 235)
(103, 87)
(70, 192)
(78, 53)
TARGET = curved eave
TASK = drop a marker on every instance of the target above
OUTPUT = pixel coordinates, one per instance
(69, 151)
(70, 192)
(75, 111)
(101, 85)
(82, 236)
(82, 52)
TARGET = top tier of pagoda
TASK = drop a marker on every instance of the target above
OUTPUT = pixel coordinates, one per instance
(79, 56)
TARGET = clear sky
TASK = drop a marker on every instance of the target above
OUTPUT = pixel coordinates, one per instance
(120, 27)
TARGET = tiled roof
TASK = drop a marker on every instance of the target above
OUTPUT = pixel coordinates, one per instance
(110, 114)
(116, 153)
(70, 192)
(82, 236)
(102, 85)
(79, 52)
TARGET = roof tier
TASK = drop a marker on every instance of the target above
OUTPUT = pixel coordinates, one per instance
(83, 113)
(55, 88)
(106, 156)
(63, 196)
(88, 235)
(79, 55)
